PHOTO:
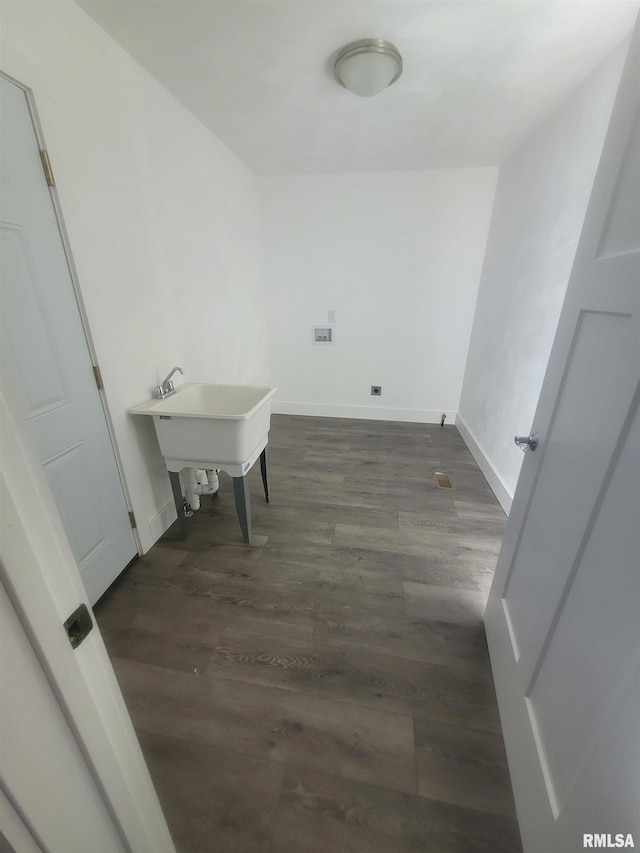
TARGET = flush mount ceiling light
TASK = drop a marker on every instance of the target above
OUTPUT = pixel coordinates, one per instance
(367, 67)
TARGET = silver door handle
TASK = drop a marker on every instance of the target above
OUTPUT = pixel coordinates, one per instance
(527, 442)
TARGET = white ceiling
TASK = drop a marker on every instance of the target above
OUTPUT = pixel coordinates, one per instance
(478, 75)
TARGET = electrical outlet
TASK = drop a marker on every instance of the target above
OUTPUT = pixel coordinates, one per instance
(376, 390)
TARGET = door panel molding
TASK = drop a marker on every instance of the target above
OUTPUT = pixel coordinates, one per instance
(49, 345)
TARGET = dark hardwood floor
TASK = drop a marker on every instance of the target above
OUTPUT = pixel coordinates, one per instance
(326, 689)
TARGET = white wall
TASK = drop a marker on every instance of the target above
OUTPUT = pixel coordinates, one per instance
(541, 199)
(398, 257)
(163, 223)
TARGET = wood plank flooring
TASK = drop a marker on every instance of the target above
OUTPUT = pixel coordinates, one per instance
(328, 687)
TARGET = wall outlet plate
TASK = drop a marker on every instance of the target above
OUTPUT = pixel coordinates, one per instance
(376, 390)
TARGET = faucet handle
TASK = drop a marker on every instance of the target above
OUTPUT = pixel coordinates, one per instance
(159, 392)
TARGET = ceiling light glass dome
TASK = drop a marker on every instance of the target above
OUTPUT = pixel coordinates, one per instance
(368, 66)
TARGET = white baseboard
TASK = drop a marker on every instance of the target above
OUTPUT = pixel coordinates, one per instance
(368, 413)
(160, 523)
(498, 487)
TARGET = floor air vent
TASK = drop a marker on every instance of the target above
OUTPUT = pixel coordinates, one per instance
(443, 480)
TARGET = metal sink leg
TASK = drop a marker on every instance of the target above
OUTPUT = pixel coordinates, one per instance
(243, 506)
(263, 471)
(174, 476)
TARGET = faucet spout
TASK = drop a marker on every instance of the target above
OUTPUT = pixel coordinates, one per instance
(166, 387)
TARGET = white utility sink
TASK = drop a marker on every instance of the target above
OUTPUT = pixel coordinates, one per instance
(211, 426)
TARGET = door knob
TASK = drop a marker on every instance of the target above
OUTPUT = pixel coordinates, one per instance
(527, 442)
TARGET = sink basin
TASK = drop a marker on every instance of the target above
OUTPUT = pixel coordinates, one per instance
(211, 426)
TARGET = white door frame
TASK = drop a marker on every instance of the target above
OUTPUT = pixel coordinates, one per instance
(64, 238)
(13, 829)
(40, 575)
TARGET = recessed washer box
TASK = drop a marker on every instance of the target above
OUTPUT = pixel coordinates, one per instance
(323, 335)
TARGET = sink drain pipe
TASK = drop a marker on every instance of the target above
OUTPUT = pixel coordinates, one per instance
(199, 482)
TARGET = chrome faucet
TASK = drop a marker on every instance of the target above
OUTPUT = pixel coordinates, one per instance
(166, 389)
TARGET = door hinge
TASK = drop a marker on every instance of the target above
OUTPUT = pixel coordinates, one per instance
(98, 375)
(78, 625)
(132, 519)
(46, 165)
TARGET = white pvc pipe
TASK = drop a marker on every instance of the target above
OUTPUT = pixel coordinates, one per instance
(212, 479)
(190, 478)
(198, 482)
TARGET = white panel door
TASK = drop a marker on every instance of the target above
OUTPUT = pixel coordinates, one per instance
(39, 752)
(45, 349)
(72, 776)
(563, 618)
